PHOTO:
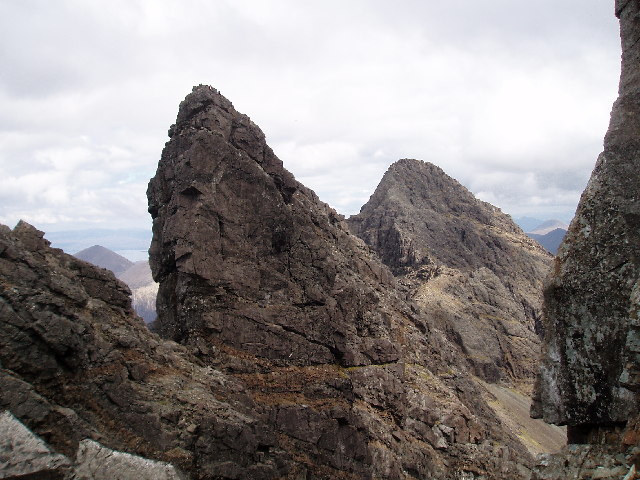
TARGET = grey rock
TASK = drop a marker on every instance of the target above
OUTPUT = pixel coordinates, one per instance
(463, 260)
(24, 455)
(96, 462)
(590, 373)
(585, 462)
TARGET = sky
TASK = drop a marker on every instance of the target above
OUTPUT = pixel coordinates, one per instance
(510, 97)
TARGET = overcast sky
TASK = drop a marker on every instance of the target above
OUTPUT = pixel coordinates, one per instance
(510, 97)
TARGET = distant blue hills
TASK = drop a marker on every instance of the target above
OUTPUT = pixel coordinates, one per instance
(548, 233)
(72, 241)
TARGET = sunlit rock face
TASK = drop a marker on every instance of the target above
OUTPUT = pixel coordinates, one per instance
(590, 375)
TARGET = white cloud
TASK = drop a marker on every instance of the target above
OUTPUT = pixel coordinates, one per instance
(510, 97)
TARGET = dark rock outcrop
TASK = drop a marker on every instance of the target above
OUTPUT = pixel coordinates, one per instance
(465, 261)
(266, 283)
(590, 373)
(76, 363)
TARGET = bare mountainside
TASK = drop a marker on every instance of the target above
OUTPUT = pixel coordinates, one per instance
(266, 284)
(465, 262)
(105, 258)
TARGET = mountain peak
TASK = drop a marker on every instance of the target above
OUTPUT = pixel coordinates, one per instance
(105, 258)
(264, 281)
(455, 250)
(418, 214)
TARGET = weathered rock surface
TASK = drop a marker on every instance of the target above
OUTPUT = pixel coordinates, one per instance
(95, 462)
(590, 375)
(24, 455)
(464, 261)
(266, 283)
(587, 462)
(77, 363)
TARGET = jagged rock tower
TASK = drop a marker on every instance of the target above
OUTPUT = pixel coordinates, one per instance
(266, 283)
(590, 376)
(590, 373)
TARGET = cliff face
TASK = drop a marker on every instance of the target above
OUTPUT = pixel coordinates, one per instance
(266, 283)
(465, 261)
(589, 377)
(76, 363)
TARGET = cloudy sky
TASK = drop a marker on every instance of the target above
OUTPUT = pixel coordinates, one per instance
(510, 97)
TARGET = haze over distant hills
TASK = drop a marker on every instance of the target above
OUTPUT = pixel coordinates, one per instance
(548, 233)
(136, 275)
(121, 239)
(105, 258)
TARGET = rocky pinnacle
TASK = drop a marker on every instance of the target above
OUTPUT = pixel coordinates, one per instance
(590, 375)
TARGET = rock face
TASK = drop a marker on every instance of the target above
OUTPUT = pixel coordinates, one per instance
(465, 261)
(76, 363)
(590, 375)
(22, 454)
(265, 283)
(25, 456)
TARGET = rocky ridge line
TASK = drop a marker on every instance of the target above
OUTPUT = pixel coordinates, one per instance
(267, 284)
(464, 261)
(76, 363)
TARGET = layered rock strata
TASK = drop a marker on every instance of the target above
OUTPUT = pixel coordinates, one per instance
(266, 283)
(463, 260)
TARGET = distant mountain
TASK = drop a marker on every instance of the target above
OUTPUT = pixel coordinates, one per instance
(465, 260)
(123, 239)
(527, 223)
(137, 276)
(105, 258)
(550, 241)
(548, 226)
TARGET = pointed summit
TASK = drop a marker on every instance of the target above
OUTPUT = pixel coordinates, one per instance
(465, 261)
(265, 282)
(418, 215)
